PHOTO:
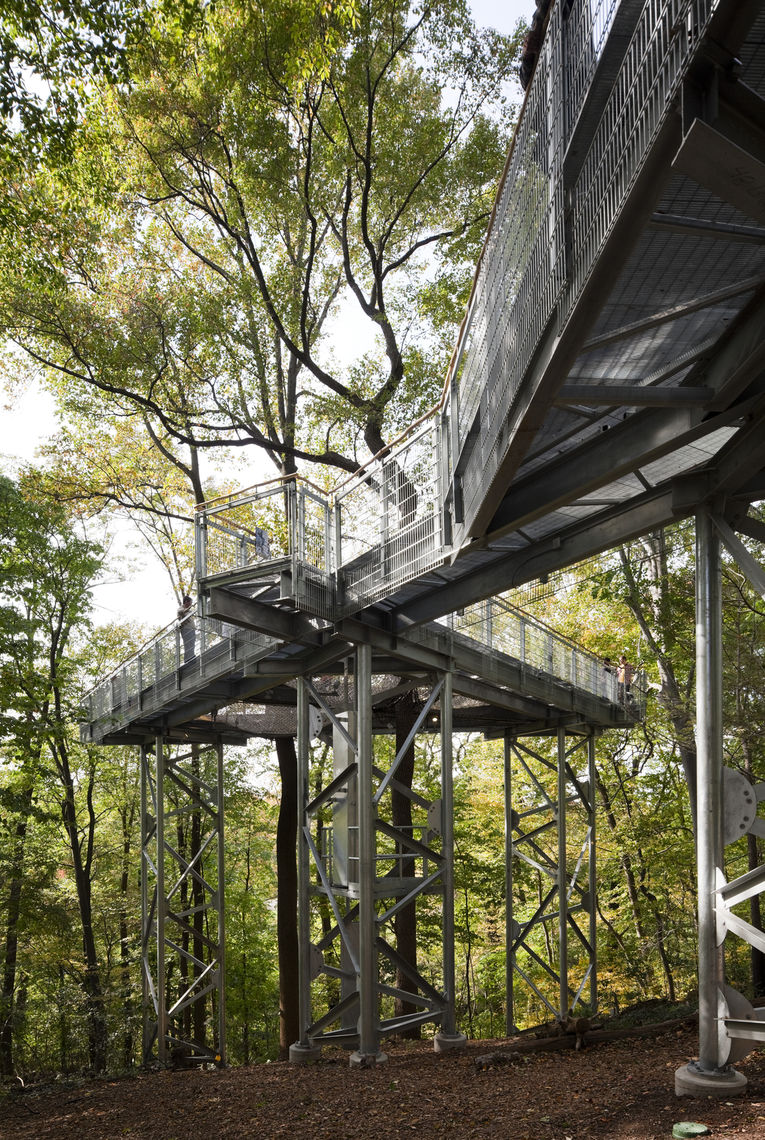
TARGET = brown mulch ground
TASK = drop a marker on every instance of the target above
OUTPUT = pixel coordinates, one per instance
(620, 1089)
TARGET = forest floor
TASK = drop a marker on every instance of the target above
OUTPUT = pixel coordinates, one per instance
(619, 1089)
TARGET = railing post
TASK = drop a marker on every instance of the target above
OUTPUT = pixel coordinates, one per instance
(200, 545)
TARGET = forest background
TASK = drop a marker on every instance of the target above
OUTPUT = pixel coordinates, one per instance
(201, 207)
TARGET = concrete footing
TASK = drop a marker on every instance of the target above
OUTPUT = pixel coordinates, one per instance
(691, 1080)
(446, 1042)
(304, 1054)
(367, 1060)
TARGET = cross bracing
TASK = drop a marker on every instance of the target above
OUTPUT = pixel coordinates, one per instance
(607, 381)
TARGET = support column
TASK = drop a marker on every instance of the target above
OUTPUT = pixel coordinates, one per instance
(510, 1028)
(221, 1043)
(448, 1037)
(562, 880)
(708, 1076)
(303, 1050)
(185, 792)
(160, 901)
(147, 909)
(592, 877)
(368, 1052)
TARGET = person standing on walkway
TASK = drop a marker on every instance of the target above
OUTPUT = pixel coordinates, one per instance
(624, 674)
(188, 629)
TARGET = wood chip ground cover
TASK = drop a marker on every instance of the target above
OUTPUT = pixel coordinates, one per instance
(622, 1089)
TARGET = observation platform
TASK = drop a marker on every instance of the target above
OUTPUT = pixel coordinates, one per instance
(608, 379)
(510, 672)
(608, 376)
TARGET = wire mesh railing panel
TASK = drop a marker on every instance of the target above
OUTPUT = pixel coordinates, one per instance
(181, 658)
(585, 33)
(243, 530)
(656, 61)
(520, 276)
(501, 629)
(389, 519)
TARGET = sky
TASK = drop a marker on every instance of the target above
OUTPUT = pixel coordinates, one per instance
(28, 420)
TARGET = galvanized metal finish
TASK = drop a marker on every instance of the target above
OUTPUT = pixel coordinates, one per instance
(182, 896)
(709, 781)
(510, 1026)
(619, 189)
(555, 837)
(384, 869)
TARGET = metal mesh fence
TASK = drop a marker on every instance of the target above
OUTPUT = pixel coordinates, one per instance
(180, 659)
(501, 629)
(240, 531)
(389, 526)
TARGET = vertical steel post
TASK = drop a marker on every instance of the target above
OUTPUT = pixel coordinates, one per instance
(159, 791)
(509, 954)
(709, 844)
(368, 1049)
(303, 1049)
(592, 874)
(709, 1075)
(562, 877)
(448, 1037)
(146, 1003)
(221, 893)
(447, 809)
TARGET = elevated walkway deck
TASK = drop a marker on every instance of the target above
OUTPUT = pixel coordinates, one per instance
(510, 671)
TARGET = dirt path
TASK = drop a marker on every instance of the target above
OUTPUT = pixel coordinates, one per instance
(622, 1089)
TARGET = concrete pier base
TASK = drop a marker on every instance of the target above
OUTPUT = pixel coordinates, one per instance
(691, 1080)
(446, 1042)
(304, 1054)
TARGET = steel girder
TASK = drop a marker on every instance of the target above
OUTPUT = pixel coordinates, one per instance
(362, 871)
(182, 903)
(550, 828)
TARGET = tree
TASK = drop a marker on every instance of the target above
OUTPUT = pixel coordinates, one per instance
(46, 570)
(268, 169)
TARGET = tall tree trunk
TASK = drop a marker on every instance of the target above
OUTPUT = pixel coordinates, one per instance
(286, 901)
(128, 1008)
(401, 809)
(13, 910)
(97, 1037)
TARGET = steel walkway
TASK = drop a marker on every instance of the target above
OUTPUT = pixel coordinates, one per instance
(609, 378)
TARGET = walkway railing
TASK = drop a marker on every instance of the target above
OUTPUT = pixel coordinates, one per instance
(501, 630)
(180, 659)
(185, 656)
(401, 514)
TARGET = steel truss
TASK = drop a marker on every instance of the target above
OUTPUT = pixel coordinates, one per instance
(553, 832)
(364, 871)
(726, 809)
(182, 889)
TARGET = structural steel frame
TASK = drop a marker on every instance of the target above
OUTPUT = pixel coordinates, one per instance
(349, 874)
(563, 867)
(182, 901)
